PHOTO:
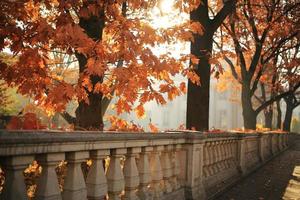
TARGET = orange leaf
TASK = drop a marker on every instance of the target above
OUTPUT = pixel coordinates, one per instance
(140, 111)
(153, 128)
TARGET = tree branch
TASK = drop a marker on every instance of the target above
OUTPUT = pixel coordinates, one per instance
(227, 8)
(69, 118)
(276, 98)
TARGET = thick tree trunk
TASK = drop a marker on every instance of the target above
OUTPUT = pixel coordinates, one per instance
(89, 115)
(288, 118)
(268, 117)
(279, 114)
(249, 115)
(198, 96)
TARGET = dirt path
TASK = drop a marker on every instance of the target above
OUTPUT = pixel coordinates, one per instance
(271, 182)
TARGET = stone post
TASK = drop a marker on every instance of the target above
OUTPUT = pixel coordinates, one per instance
(74, 187)
(144, 174)
(14, 188)
(47, 186)
(242, 155)
(194, 184)
(131, 174)
(96, 180)
(115, 177)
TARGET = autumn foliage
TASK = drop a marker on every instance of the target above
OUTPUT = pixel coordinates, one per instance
(112, 42)
(253, 42)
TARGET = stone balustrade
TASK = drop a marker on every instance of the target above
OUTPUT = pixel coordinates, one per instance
(132, 166)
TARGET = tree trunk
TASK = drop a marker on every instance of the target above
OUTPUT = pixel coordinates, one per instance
(198, 96)
(279, 114)
(288, 115)
(268, 117)
(88, 115)
(249, 115)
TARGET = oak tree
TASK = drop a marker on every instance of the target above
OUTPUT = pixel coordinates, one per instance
(111, 40)
(210, 14)
(258, 37)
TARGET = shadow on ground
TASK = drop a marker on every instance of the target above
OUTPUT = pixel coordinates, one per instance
(278, 179)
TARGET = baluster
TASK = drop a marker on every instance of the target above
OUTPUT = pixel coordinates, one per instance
(219, 153)
(144, 174)
(215, 156)
(47, 186)
(205, 160)
(223, 154)
(285, 139)
(115, 177)
(233, 148)
(176, 167)
(74, 186)
(156, 172)
(14, 188)
(166, 168)
(226, 154)
(218, 156)
(279, 142)
(96, 182)
(229, 154)
(210, 158)
(233, 155)
(131, 174)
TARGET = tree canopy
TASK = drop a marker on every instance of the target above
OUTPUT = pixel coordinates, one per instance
(112, 41)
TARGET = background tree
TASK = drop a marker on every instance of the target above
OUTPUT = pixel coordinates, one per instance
(100, 35)
(197, 116)
(290, 74)
(257, 40)
(292, 101)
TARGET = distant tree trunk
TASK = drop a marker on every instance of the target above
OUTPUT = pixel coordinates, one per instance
(279, 114)
(88, 116)
(268, 117)
(249, 114)
(288, 117)
(198, 96)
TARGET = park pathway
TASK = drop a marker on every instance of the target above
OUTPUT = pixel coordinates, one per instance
(276, 180)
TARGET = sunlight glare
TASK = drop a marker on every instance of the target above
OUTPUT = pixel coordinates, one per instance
(165, 15)
(166, 6)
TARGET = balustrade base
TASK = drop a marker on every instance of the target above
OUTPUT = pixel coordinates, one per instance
(196, 192)
(175, 195)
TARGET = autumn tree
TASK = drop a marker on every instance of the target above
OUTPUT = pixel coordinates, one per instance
(210, 14)
(113, 44)
(7, 102)
(292, 101)
(258, 36)
(4, 98)
(290, 74)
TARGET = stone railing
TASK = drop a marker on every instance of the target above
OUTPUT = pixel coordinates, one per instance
(133, 165)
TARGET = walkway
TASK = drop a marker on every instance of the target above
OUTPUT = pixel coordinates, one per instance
(273, 181)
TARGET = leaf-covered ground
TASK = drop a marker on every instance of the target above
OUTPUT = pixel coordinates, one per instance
(271, 182)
